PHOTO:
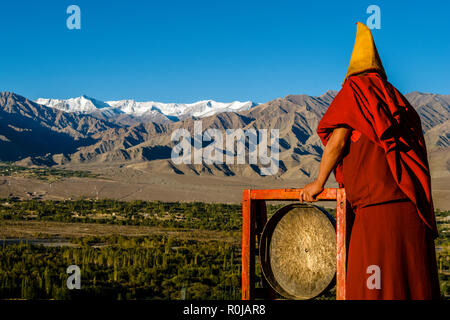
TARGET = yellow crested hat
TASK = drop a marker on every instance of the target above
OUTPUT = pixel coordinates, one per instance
(365, 55)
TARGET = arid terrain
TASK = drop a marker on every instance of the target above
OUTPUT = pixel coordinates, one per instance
(139, 182)
(132, 160)
(57, 233)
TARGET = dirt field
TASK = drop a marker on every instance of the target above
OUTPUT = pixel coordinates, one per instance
(61, 230)
(132, 182)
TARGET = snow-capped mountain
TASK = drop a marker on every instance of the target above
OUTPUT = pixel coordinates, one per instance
(144, 111)
(46, 135)
(83, 104)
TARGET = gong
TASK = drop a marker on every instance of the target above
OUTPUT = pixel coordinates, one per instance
(298, 251)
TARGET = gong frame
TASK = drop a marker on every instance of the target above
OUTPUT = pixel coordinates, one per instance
(254, 218)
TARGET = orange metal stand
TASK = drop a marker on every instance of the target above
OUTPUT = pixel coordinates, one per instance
(254, 217)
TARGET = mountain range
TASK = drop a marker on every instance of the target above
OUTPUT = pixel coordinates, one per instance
(85, 130)
(127, 112)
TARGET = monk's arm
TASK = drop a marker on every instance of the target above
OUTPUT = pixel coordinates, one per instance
(331, 155)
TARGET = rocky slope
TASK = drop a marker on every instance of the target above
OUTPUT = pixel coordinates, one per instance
(48, 135)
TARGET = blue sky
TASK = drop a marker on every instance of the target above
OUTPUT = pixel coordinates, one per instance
(184, 51)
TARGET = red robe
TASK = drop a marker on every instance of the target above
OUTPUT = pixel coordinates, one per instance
(386, 176)
(372, 106)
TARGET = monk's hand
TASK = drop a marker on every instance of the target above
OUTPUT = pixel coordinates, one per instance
(310, 191)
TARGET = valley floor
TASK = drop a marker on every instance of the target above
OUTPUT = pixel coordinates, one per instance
(137, 182)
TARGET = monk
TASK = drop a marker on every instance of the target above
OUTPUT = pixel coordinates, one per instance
(374, 143)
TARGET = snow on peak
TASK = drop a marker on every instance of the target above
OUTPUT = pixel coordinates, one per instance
(83, 104)
(88, 105)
